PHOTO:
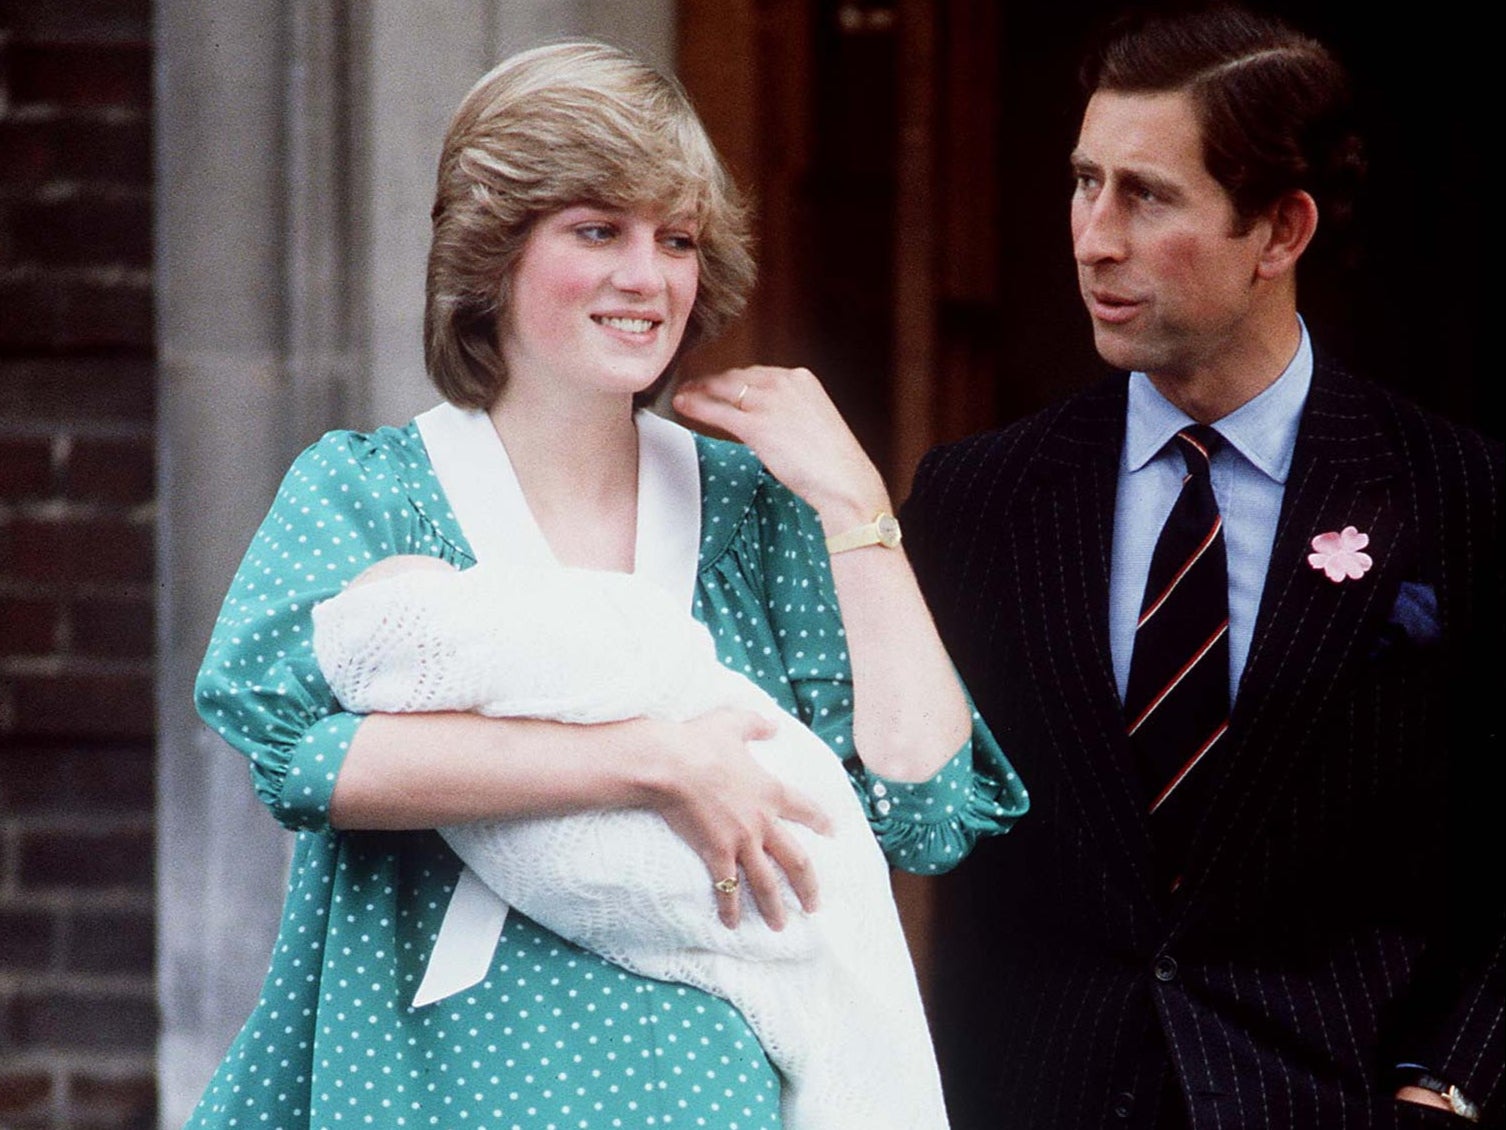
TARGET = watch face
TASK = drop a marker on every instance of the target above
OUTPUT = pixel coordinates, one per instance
(888, 530)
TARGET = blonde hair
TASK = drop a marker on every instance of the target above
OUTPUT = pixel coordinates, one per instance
(571, 123)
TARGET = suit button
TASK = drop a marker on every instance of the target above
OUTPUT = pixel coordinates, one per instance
(1165, 968)
(1124, 1105)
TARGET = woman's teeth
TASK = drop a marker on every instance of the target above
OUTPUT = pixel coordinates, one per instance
(627, 325)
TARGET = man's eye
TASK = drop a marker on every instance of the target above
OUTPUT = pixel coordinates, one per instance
(1085, 182)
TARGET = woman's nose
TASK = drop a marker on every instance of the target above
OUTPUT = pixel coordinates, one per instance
(637, 269)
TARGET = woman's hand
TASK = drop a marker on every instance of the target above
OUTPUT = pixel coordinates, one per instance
(785, 416)
(729, 809)
(909, 715)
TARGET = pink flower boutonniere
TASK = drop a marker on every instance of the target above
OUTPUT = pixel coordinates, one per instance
(1340, 554)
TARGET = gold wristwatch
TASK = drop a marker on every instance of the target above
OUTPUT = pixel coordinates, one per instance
(883, 530)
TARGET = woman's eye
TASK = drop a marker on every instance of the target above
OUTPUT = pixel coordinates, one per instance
(595, 232)
(680, 242)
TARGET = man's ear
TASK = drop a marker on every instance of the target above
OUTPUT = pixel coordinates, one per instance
(1293, 220)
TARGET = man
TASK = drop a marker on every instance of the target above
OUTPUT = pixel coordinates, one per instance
(1234, 617)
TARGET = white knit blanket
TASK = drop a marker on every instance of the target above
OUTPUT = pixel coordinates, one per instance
(832, 997)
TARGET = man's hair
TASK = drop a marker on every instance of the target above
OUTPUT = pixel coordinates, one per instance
(567, 124)
(1273, 104)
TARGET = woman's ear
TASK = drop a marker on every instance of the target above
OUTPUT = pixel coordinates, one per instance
(1292, 220)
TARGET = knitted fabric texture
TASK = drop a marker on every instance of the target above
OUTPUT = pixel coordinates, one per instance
(832, 997)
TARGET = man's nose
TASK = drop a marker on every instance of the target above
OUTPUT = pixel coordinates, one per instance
(1098, 231)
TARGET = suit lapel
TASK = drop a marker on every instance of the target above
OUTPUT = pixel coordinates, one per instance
(1072, 495)
(1308, 627)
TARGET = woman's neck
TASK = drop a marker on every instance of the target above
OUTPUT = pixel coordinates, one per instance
(577, 465)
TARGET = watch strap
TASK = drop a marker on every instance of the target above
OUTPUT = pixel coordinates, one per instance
(883, 530)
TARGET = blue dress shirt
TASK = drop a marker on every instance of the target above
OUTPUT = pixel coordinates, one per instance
(1249, 477)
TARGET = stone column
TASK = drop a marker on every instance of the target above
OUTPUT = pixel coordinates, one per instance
(295, 153)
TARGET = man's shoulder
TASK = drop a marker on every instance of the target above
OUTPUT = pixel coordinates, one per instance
(1087, 425)
(1428, 447)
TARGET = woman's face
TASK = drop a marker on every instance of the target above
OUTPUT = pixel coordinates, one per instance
(599, 300)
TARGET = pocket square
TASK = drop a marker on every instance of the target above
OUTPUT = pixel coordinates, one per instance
(1413, 620)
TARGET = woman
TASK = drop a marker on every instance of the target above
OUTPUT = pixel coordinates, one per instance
(584, 233)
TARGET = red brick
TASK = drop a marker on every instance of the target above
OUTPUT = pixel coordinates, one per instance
(42, 310)
(85, 230)
(24, 1092)
(84, 1021)
(146, 1120)
(116, 387)
(76, 549)
(114, 779)
(127, 1097)
(74, 860)
(25, 467)
(113, 629)
(28, 626)
(81, 74)
(81, 705)
(76, 146)
(111, 942)
(28, 942)
(95, 20)
(111, 470)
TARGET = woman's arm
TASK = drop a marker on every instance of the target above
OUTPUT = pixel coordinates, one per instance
(409, 771)
(910, 716)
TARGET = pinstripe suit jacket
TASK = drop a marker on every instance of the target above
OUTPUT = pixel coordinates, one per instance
(1342, 904)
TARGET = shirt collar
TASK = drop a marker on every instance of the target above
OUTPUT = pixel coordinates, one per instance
(1263, 429)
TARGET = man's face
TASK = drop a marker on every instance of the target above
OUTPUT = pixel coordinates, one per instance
(1168, 283)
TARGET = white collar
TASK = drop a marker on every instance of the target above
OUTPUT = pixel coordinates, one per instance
(477, 477)
(1263, 429)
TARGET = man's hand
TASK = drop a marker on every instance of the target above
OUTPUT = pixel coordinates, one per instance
(1422, 1097)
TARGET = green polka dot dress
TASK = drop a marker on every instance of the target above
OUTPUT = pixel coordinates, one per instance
(554, 1038)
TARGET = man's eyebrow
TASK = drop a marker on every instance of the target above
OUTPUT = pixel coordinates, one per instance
(1079, 162)
(1159, 186)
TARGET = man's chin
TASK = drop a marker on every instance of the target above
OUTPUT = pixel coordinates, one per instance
(1118, 349)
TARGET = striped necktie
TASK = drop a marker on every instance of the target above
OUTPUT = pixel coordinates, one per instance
(1176, 706)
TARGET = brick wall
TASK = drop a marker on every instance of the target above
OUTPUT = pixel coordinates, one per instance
(77, 1003)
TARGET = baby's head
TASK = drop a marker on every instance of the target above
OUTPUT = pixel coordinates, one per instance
(400, 564)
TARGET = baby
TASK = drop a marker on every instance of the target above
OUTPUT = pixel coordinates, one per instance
(832, 997)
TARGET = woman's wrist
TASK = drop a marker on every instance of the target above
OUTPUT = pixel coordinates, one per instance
(841, 509)
(652, 777)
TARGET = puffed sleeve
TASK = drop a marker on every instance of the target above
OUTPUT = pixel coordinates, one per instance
(347, 502)
(925, 827)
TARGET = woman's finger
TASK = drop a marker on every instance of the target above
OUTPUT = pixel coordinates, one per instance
(726, 885)
(783, 849)
(705, 405)
(757, 728)
(736, 388)
(763, 882)
(802, 810)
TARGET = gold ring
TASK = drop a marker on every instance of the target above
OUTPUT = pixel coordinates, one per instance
(740, 408)
(727, 886)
